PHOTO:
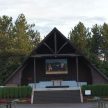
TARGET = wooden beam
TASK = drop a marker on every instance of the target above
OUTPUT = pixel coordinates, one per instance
(62, 47)
(77, 69)
(57, 55)
(55, 43)
(49, 47)
(35, 72)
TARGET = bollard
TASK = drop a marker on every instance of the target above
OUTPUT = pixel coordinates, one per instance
(6, 105)
(9, 105)
(101, 104)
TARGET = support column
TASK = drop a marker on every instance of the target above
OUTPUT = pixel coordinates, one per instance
(55, 43)
(35, 72)
(77, 70)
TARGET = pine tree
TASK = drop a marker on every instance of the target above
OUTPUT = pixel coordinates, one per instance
(96, 41)
(5, 33)
(16, 41)
(79, 36)
(21, 38)
(105, 41)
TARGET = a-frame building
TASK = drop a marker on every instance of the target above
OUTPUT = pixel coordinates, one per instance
(56, 46)
(56, 63)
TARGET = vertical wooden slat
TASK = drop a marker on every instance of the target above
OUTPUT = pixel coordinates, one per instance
(77, 70)
(55, 43)
(35, 72)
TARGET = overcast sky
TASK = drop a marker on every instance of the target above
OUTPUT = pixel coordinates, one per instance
(63, 14)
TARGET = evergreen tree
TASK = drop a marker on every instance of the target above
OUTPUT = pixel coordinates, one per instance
(34, 37)
(105, 41)
(16, 41)
(96, 41)
(93, 44)
(79, 36)
(21, 38)
(5, 33)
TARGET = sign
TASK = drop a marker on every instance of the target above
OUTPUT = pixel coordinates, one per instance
(88, 92)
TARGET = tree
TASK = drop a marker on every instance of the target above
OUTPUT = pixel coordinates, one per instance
(25, 37)
(79, 36)
(34, 37)
(93, 44)
(16, 41)
(105, 41)
(96, 41)
(21, 38)
(5, 33)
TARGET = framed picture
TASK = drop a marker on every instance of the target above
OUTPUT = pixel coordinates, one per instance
(56, 66)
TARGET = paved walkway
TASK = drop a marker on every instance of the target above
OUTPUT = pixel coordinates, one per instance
(67, 105)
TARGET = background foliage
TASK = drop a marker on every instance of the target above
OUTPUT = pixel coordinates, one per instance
(17, 39)
(93, 43)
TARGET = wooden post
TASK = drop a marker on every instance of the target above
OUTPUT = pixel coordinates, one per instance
(55, 43)
(77, 70)
(35, 72)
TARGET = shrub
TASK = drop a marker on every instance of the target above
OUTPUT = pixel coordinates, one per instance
(96, 90)
(15, 92)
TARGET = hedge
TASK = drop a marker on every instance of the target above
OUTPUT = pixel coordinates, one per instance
(96, 90)
(15, 92)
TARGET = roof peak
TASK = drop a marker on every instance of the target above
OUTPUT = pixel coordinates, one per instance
(55, 29)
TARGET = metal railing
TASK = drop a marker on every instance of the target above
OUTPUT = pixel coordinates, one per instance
(100, 103)
(11, 104)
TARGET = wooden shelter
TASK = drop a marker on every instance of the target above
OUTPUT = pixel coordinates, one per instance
(56, 70)
(54, 48)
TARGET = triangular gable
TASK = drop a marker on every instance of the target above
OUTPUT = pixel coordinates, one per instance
(55, 43)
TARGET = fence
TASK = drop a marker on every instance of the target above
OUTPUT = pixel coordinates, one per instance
(100, 103)
(11, 104)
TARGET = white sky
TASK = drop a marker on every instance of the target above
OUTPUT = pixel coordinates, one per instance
(62, 14)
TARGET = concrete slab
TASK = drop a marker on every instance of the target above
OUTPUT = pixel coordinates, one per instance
(66, 105)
